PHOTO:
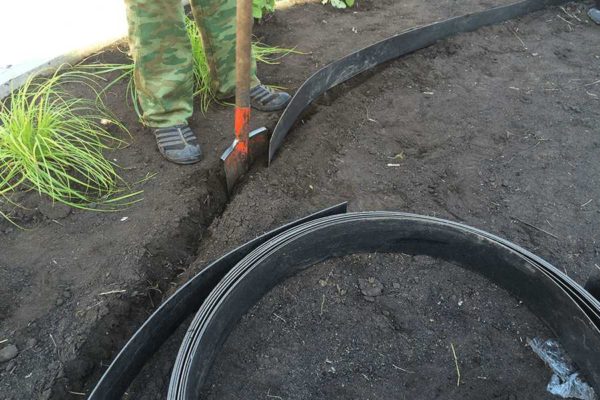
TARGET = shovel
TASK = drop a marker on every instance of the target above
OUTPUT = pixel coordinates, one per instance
(247, 145)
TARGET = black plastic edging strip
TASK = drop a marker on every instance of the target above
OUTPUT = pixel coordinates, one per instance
(396, 46)
(582, 296)
(564, 306)
(165, 320)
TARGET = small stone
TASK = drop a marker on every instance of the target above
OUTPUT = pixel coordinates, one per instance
(30, 343)
(8, 353)
(386, 313)
(67, 294)
(370, 299)
(59, 302)
(370, 287)
(396, 285)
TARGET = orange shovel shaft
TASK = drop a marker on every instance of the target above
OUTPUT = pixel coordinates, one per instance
(242, 127)
(243, 70)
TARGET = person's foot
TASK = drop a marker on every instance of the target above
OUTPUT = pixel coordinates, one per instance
(178, 144)
(594, 15)
(264, 98)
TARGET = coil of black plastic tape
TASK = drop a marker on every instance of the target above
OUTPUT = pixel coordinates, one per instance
(564, 306)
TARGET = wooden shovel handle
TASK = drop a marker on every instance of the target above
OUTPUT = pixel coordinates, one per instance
(243, 53)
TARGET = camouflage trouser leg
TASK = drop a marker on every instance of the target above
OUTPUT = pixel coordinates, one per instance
(163, 60)
(216, 20)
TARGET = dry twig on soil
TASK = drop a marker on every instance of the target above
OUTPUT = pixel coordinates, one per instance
(535, 227)
(112, 292)
(456, 364)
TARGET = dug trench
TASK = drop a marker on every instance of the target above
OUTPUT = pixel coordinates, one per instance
(164, 259)
(476, 129)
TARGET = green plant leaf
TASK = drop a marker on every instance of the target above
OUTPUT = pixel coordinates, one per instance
(259, 7)
(338, 3)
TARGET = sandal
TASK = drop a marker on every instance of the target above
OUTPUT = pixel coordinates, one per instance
(264, 98)
(178, 144)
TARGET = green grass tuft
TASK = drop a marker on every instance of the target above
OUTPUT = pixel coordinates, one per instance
(271, 55)
(53, 143)
(202, 81)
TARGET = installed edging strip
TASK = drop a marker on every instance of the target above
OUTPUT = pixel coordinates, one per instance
(564, 306)
(399, 45)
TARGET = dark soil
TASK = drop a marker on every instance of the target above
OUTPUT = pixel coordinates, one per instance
(496, 128)
(317, 336)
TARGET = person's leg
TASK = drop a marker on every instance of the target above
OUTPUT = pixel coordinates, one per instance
(216, 20)
(163, 64)
(594, 12)
(163, 75)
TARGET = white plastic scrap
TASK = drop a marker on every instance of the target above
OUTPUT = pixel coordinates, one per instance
(566, 381)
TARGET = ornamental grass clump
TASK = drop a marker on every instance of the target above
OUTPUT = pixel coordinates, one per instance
(53, 143)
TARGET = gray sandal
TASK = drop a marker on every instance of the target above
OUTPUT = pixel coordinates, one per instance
(264, 98)
(178, 144)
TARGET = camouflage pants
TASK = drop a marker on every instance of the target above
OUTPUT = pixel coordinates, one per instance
(163, 60)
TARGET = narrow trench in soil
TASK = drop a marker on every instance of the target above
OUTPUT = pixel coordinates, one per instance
(164, 261)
